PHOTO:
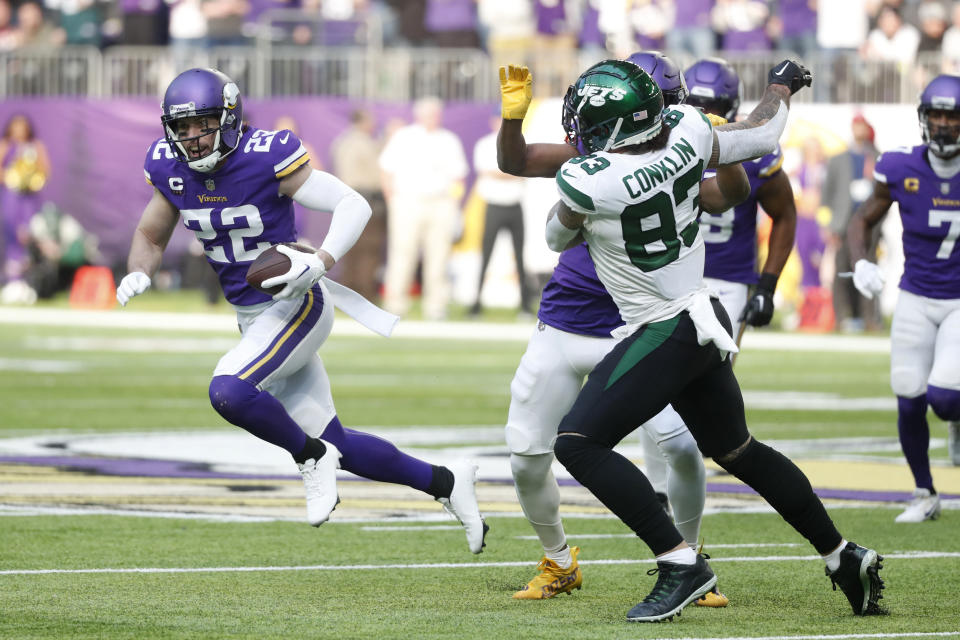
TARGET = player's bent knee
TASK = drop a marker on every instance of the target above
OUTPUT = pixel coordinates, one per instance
(530, 470)
(570, 447)
(523, 441)
(230, 396)
(681, 450)
(944, 402)
(734, 456)
(907, 382)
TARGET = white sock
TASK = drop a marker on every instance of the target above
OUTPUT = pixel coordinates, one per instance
(686, 555)
(833, 558)
(561, 556)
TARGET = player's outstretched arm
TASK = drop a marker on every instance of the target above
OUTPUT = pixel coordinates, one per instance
(153, 232)
(320, 191)
(757, 135)
(867, 277)
(727, 189)
(776, 198)
(514, 155)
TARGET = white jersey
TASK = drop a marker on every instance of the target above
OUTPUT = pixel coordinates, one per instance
(641, 226)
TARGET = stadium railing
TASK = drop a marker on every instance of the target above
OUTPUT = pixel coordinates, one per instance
(367, 72)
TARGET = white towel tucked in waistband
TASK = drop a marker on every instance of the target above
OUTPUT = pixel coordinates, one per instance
(708, 325)
(360, 309)
(704, 320)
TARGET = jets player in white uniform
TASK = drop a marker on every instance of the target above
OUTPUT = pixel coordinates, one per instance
(635, 200)
(925, 338)
(576, 318)
(234, 186)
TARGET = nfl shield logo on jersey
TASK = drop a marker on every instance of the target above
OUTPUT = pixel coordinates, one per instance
(945, 188)
(210, 184)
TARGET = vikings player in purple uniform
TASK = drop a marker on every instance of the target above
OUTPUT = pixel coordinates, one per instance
(234, 186)
(576, 318)
(925, 337)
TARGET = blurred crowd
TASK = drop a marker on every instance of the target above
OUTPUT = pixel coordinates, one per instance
(893, 30)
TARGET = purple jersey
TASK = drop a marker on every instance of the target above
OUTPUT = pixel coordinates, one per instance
(731, 236)
(930, 213)
(235, 211)
(575, 301)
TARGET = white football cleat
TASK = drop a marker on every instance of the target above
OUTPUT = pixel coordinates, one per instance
(922, 507)
(462, 503)
(953, 442)
(320, 480)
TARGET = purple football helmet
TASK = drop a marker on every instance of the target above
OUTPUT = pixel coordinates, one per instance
(942, 95)
(203, 92)
(665, 73)
(714, 87)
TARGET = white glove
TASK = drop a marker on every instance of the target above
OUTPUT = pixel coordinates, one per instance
(133, 284)
(306, 268)
(867, 278)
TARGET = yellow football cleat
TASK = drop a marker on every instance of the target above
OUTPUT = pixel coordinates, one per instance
(552, 579)
(713, 599)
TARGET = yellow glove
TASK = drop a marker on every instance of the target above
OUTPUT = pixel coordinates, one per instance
(716, 121)
(516, 91)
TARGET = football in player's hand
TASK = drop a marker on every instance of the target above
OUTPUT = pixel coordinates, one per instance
(269, 264)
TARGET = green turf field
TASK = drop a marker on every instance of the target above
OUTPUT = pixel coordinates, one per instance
(275, 579)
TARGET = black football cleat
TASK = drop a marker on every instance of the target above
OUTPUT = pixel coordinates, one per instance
(859, 579)
(677, 586)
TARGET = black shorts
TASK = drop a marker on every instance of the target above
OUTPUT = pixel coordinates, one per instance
(660, 364)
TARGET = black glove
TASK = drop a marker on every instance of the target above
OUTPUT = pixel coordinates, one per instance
(790, 74)
(759, 309)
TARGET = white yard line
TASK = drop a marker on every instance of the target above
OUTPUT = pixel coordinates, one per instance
(912, 555)
(502, 331)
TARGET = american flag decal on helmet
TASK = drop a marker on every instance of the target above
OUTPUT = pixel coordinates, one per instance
(639, 115)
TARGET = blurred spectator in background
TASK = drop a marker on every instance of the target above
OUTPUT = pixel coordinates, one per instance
(34, 31)
(423, 167)
(892, 40)
(951, 42)
(841, 31)
(354, 153)
(187, 25)
(793, 26)
(26, 168)
(145, 22)
(591, 39)
(8, 34)
(932, 16)
(410, 21)
(58, 246)
(555, 42)
(80, 21)
(692, 31)
(502, 194)
(847, 185)
(650, 20)
(452, 23)
(507, 29)
(742, 24)
(816, 311)
(225, 20)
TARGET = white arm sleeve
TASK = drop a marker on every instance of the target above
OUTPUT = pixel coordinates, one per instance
(746, 144)
(324, 192)
(558, 234)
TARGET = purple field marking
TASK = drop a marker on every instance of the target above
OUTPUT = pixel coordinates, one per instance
(134, 467)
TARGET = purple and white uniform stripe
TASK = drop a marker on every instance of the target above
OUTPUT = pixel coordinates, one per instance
(288, 337)
(930, 212)
(236, 212)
